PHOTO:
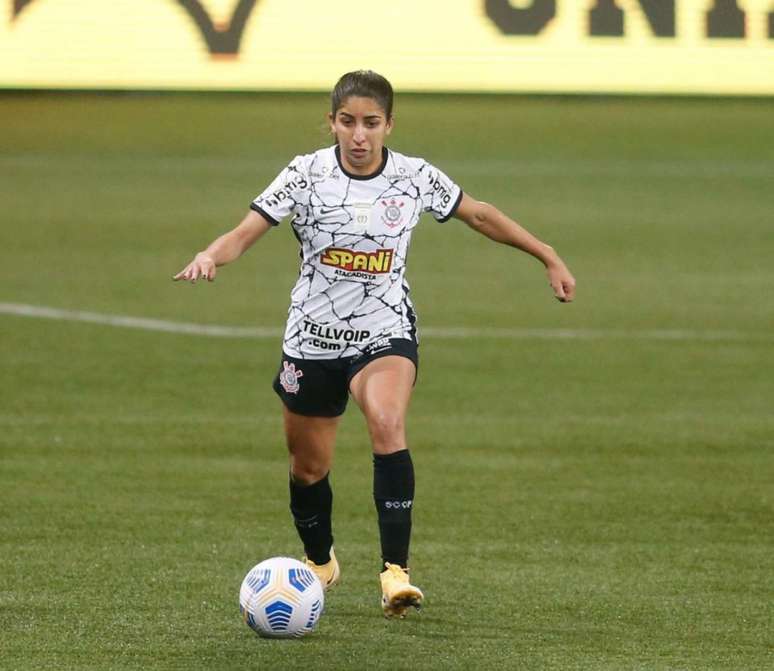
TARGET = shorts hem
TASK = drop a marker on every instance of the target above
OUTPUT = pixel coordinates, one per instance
(306, 413)
(311, 414)
(321, 388)
(356, 368)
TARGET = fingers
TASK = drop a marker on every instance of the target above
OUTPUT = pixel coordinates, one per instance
(559, 292)
(184, 274)
(563, 284)
(564, 290)
(569, 291)
(190, 273)
(201, 267)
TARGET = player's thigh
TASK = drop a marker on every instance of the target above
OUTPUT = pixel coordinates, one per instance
(382, 389)
(310, 442)
(384, 376)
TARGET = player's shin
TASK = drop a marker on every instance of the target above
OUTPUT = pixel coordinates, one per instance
(311, 506)
(394, 498)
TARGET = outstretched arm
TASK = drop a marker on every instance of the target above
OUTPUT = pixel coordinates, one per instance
(228, 247)
(489, 221)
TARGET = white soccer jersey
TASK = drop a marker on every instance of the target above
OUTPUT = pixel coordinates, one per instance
(354, 232)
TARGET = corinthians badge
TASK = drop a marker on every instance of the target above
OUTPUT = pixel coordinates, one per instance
(392, 216)
(289, 378)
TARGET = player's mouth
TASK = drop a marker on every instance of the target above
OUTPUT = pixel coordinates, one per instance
(358, 152)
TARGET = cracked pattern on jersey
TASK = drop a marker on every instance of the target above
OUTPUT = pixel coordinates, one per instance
(354, 233)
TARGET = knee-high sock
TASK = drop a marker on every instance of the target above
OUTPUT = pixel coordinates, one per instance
(394, 498)
(311, 507)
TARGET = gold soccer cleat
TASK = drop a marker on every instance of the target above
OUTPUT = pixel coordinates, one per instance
(397, 593)
(328, 573)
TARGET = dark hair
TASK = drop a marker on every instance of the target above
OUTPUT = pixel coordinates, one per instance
(364, 84)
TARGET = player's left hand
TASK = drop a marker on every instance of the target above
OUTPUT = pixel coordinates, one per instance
(562, 282)
(202, 267)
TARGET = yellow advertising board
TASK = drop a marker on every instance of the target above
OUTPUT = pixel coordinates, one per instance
(618, 46)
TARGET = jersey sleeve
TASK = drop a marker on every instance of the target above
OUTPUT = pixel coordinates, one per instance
(288, 191)
(440, 195)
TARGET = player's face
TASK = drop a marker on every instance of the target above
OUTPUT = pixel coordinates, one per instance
(360, 126)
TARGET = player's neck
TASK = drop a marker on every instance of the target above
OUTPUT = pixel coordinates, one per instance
(372, 169)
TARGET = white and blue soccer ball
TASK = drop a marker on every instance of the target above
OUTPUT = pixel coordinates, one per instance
(281, 598)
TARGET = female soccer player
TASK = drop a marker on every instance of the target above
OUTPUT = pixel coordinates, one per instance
(351, 325)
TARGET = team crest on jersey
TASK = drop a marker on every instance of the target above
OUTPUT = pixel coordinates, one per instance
(289, 378)
(392, 216)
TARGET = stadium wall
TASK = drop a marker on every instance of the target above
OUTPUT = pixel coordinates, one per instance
(544, 46)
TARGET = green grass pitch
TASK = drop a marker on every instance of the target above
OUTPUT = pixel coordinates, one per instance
(602, 500)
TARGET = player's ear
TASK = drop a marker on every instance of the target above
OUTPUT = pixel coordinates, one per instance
(388, 126)
(330, 118)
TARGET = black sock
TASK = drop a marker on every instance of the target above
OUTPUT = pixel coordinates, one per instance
(394, 497)
(311, 507)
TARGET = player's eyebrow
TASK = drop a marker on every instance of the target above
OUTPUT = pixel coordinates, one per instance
(369, 117)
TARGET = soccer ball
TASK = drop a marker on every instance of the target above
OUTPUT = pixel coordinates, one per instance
(281, 598)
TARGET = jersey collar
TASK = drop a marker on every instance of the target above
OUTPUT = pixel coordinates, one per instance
(376, 173)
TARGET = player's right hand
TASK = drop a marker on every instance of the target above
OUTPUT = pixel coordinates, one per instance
(203, 266)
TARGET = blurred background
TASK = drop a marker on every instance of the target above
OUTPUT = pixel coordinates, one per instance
(595, 479)
(589, 46)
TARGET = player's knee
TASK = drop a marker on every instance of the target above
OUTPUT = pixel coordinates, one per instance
(305, 472)
(387, 427)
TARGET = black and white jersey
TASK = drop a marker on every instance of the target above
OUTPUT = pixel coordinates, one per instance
(354, 232)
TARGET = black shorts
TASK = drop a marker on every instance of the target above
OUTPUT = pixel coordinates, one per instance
(320, 387)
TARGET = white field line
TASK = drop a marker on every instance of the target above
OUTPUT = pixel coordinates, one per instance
(459, 332)
(141, 323)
